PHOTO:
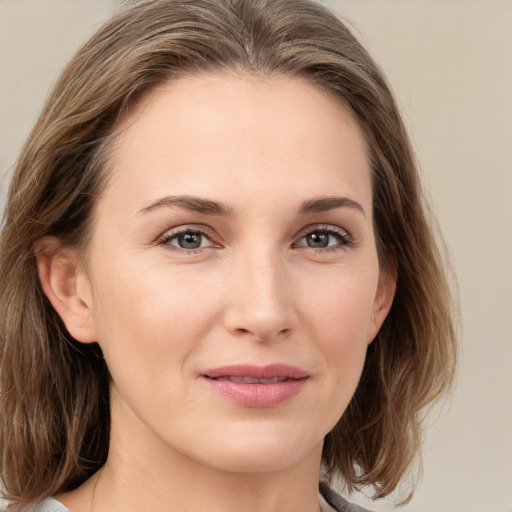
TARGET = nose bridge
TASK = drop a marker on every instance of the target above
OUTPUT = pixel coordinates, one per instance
(261, 303)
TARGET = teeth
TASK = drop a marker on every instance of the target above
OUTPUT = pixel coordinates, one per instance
(251, 380)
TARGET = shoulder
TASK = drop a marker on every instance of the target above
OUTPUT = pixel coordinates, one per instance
(46, 505)
(337, 502)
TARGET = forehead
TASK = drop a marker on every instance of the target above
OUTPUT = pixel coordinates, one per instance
(212, 131)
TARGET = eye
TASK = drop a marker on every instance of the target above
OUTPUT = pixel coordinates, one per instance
(187, 240)
(328, 237)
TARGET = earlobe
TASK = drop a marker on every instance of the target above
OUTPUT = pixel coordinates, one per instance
(65, 284)
(383, 301)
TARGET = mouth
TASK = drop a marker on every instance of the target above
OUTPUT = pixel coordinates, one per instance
(271, 372)
(254, 386)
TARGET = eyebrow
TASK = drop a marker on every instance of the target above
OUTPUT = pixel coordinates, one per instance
(194, 204)
(325, 204)
(209, 207)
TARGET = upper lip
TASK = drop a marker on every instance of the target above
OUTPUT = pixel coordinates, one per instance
(270, 371)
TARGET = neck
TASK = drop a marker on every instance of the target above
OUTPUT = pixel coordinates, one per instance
(182, 485)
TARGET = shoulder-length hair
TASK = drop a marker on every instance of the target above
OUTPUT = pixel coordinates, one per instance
(55, 417)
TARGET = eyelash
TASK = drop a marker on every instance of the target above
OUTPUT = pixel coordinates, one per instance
(166, 239)
(343, 238)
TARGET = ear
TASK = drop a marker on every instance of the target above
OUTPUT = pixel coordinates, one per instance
(384, 296)
(66, 285)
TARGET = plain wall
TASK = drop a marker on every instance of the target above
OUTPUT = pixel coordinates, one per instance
(450, 62)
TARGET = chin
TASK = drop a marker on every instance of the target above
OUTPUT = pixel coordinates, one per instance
(261, 452)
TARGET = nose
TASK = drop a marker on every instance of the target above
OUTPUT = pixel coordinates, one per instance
(260, 302)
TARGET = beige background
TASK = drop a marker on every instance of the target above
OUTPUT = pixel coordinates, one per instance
(450, 62)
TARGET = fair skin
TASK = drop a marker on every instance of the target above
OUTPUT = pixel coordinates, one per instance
(235, 231)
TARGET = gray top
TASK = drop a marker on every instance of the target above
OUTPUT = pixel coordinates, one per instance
(46, 505)
(334, 499)
(337, 502)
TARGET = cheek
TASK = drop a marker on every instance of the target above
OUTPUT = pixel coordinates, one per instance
(341, 307)
(153, 320)
(339, 316)
(151, 328)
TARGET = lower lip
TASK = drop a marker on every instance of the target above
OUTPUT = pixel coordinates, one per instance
(257, 395)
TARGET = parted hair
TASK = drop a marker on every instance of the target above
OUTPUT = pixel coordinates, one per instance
(54, 401)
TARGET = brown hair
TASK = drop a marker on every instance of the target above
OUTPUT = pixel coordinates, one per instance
(54, 425)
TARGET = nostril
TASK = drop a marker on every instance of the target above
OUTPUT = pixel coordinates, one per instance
(263, 334)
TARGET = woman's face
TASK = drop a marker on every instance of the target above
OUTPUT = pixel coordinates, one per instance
(232, 279)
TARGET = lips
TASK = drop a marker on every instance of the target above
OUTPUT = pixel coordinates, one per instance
(270, 371)
(254, 386)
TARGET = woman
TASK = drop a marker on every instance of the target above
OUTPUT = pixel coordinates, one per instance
(220, 281)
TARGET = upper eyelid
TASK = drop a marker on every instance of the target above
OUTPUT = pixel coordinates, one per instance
(322, 227)
(197, 228)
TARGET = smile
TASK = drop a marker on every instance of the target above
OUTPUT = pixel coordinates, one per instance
(253, 386)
